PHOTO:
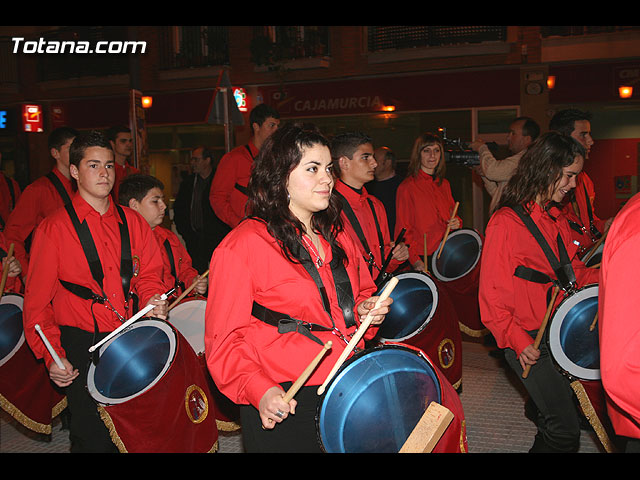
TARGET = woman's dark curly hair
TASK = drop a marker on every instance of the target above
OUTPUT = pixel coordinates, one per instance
(268, 196)
(540, 168)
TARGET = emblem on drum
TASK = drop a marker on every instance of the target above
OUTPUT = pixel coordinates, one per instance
(446, 352)
(196, 404)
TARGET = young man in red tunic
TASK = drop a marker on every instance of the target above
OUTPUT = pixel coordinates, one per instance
(42, 197)
(145, 195)
(60, 269)
(364, 216)
(228, 195)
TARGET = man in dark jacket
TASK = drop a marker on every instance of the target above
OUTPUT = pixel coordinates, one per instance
(195, 220)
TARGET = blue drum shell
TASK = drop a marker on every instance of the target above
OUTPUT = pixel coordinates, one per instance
(132, 362)
(375, 400)
(460, 255)
(415, 299)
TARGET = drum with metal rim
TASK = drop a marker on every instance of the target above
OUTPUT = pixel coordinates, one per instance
(593, 256)
(37, 401)
(422, 315)
(460, 255)
(573, 335)
(376, 399)
(152, 392)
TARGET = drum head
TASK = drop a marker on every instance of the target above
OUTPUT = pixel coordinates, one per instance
(375, 400)
(11, 329)
(132, 362)
(460, 255)
(573, 345)
(188, 318)
(415, 300)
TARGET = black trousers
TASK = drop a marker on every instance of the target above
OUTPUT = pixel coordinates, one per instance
(87, 431)
(296, 434)
(558, 420)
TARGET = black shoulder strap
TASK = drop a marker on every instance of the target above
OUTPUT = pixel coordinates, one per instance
(59, 187)
(172, 263)
(594, 231)
(562, 268)
(353, 220)
(12, 192)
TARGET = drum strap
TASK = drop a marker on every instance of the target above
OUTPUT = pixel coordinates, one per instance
(59, 187)
(565, 276)
(179, 286)
(353, 219)
(344, 292)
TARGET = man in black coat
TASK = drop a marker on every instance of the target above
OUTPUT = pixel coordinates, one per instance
(195, 221)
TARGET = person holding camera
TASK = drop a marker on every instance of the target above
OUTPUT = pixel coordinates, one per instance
(496, 173)
(424, 202)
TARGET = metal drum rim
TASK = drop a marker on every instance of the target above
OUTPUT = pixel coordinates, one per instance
(21, 340)
(161, 325)
(434, 305)
(557, 353)
(191, 303)
(460, 231)
(390, 346)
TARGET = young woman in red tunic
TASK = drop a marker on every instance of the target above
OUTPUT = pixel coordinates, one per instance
(266, 317)
(516, 278)
(424, 202)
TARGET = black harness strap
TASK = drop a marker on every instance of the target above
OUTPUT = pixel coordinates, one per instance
(59, 187)
(344, 292)
(565, 276)
(177, 283)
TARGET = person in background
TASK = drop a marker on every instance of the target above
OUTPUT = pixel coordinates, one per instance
(228, 195)
(385, 185)
(121, 141)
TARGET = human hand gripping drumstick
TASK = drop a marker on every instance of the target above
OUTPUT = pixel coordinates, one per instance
(306, 373)
(538, 339)
(188, 290)
(359, 333)
(446, 233)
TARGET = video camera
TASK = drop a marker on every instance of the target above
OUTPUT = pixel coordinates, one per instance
(458, 152)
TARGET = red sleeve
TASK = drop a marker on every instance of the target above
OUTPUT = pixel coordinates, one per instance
(404, 219)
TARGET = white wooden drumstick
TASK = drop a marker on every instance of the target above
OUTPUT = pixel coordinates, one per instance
(306, 373)
(138, 315)
(53, 353)
(446, 233)
(359, 333)
(188, 290)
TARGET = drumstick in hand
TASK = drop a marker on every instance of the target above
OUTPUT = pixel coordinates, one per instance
(47, 344)
(446, 233)
(359, 333)
(595, 247)
(426, 267)
(306, 373)
(188, 290)
(538, 339)
(5, 270)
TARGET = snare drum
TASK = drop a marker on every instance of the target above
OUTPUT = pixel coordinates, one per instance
(27, 392)
(152, 393)
(458, 272)
(422, 315)
(593, 256)
(572, 343)
(188, 318)
(378, 396)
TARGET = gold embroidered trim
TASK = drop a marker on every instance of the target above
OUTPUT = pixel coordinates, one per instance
(471, 332)
(204, 408)
(463, 436)
(591, 415)
(443, 343)
(24, 420)
(225, 426)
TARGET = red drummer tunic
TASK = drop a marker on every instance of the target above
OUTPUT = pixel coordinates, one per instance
(582, 217)
(184, 271)
(359, 203)
(510, 306)
(227, 201)
(57, 254)
(7, 199)
(423, 206)
(37, 201)
(246, 356)
(618, 324)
